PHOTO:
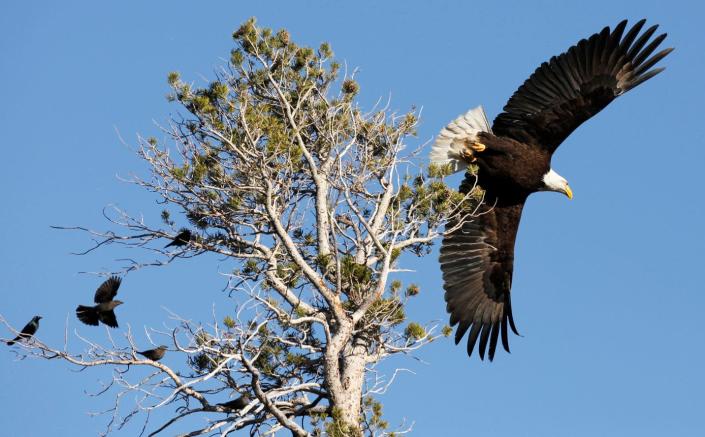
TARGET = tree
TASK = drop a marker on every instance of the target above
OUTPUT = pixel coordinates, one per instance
(314, 201)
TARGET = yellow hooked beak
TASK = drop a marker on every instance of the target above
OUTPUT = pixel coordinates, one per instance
(568, 191)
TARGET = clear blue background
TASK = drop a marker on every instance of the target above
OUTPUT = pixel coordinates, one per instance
(608, 287)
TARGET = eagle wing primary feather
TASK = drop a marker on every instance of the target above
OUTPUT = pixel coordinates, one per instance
(477, 263)
(572, 87)
(107, 290)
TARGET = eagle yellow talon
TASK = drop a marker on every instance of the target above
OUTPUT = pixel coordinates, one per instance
(478, 147)
(468, 155)
(470, 149)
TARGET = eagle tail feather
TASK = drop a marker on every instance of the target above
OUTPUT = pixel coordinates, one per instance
(453, 138)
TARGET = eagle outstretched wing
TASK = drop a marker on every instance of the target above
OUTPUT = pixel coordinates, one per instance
(572, 87)
(477, 275)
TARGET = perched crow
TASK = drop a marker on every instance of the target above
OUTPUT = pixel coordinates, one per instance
(181, 239)
(237, 404)
(28, 330)
(154, 354)
(104, 310)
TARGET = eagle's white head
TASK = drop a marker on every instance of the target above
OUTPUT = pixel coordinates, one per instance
(555, 182)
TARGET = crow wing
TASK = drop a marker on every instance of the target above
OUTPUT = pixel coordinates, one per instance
(27, 332)
(107, 290)
(108, 317)
(30, 328)
(572, 87)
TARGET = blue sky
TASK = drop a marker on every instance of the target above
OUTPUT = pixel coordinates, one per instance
(607, 287)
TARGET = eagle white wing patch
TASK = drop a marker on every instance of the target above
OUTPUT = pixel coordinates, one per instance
(450, 142)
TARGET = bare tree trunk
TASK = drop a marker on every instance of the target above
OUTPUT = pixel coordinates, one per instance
(345, 374)
(354, 360)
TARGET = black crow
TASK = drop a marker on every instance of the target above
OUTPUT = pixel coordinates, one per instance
(154, 354)
(181, 239)
(28, 330)
(237, 404)
(103, 311)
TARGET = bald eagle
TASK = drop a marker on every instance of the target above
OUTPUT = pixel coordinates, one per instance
(513, 159)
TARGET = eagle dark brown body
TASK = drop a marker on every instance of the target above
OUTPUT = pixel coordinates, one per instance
(515, 169)
(513, 157)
